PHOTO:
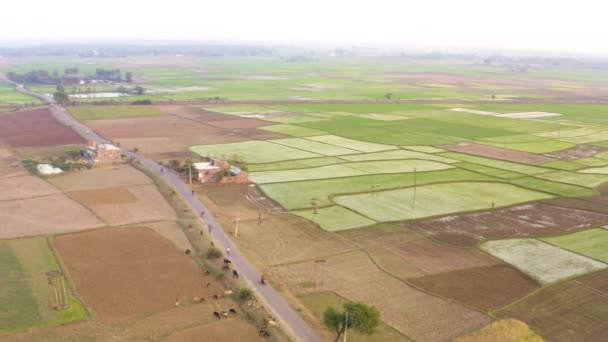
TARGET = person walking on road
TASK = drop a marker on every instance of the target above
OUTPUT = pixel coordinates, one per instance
(228, 251)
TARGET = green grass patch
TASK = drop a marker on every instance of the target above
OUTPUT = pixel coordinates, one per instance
(25, 294)
(110, 112)
(424, 149)
(591, 161)
(321, 172)
(499, 164)
(314, 146)
(562, 165)
(253, 151)
(8, 94)
(295, 131)
(382, 117)
(318, 303)
(398, 166)
(490, 171)
(297, 195)
(577, 178)
(397, 154)
(357, 145)
(335, 218)
(295, 164)
(591, 243)
(436, 199)
(559, 189)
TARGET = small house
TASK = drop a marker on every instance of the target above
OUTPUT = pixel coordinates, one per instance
(219, 171)
(207, 171)
(104, 153)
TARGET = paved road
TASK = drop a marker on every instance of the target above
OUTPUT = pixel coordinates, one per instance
(287, 317)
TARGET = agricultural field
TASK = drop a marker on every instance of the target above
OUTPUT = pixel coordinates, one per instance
(34, 128)
(503, 330)
(110, 112)
(26, 295)
(141, 273)
(8, 95)
(591, 243)
(542, 261)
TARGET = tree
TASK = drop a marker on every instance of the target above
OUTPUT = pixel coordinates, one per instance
(129, 76)
(139, 90)
(361, 317)
(388, 96)
(190, 166)
(60, 96)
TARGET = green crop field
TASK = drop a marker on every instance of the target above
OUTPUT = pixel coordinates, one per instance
(347, 170)
(436, 199)
(295, 131)
(577, 178)
(314, 147)
(498, 164)
(9, 95)
(295, 164)
(25, 294)
(533, 147)
(559, 189)
(357, 145)
(296, 195)
(253, 151)
(397, 154)
(591, 243)
(110, 112)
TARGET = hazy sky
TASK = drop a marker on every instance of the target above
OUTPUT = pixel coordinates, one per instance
(572, 26)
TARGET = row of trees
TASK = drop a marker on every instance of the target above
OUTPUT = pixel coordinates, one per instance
(69, 76)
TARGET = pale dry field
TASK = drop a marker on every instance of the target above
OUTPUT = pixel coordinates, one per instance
(414, 313)
(25, 187)
(10, 165)
(133, 204)
(100, 177)
(171, 231)
(46, 215)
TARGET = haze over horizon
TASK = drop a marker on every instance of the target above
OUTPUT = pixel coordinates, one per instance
(553, 26)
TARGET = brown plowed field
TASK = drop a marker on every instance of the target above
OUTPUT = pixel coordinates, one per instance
(431, 257)
(570, 311)
(124, 273)
(44, 215)
(35, 128)
(497, 153)
(163, 135)
(25, 187)
(131, 205)
(525, 220)
(228, 330)
(486, 288)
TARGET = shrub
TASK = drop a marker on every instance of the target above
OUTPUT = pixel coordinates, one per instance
(213, 253)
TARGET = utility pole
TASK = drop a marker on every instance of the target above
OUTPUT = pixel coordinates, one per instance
(345, 324)
(236, 226)
(414, 197)
(315, 210)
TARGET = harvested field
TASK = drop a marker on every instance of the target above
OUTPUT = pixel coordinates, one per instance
(535, 219)
(410, 311)
(228, 330)
(487, 288)
(100, 177)
(431, 257)
(501, 331)
(46, 215)
(140, 273)
(278, 239)
(35, 128)
(25, 187)
(498, 153)
(10, 164)
(541, 261)
(127, 205)
(570, 311)
(173, 232)
(107, 112)
(528, 115)
(335, 218)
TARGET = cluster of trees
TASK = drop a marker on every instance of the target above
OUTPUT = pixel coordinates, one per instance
(69, 76)
(357, 316)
